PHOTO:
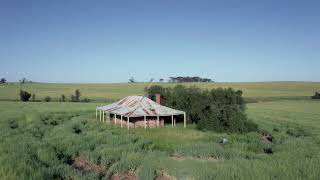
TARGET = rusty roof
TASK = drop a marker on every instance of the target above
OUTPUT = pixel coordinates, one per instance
(135, 106)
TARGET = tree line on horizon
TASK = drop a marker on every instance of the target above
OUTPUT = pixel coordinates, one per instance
(179, 79)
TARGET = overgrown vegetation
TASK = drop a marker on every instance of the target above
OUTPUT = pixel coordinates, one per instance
(64, 141)
(222, 110)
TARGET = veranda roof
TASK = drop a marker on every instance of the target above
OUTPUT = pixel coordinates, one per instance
(136, 106)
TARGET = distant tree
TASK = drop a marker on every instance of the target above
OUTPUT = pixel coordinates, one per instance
(161, 80)
(47, 99)
(172, 79)
(151, 80)
(76, 96)
(131, 80)
(63, 98)
(33, 97)
(24, 95)
(188, 79)
(3, 81)
(23, 80)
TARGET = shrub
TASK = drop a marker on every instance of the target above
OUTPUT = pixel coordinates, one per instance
(24, 95)
(76, 129)
(47, 99)
(222, 110)
(13, 124)
(316, 96)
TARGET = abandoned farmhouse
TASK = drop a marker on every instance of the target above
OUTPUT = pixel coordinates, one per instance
(139, 112)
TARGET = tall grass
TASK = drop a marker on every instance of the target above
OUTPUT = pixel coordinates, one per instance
(43, 141)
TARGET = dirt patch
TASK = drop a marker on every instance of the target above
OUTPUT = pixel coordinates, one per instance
(124, 176)
(85, 165)
(179, 157)
(165, 177)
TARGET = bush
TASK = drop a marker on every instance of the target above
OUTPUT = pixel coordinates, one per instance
(24, 95)
(316, 96)
(13, 124)
(47, 99)
(222, 110)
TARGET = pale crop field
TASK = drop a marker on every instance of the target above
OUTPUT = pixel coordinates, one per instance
(102, 92)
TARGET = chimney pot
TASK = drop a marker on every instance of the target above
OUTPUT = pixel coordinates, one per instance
(158, 98)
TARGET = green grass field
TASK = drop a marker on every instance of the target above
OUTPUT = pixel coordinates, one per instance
(103, 92)
(64, 140)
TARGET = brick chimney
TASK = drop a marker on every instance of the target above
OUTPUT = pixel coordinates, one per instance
(158, 98)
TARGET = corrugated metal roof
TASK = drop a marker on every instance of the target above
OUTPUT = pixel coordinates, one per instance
(134, 106)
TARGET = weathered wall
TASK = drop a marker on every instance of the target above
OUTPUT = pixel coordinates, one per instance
(138, 122)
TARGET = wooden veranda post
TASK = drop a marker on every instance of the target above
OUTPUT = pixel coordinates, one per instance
(100, 115)
(121, 121)
(115, 119)
(128, 122)
(172, 120)
(158, 121)
(184, 120)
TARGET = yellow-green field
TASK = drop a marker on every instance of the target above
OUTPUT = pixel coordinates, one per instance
(102, 92)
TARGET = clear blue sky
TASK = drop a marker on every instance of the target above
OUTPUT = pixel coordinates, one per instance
(110, 41)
